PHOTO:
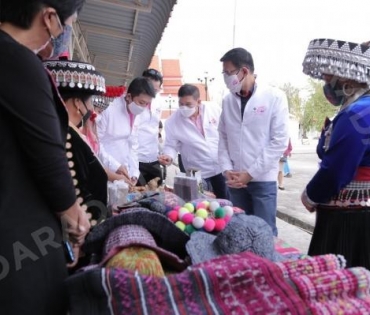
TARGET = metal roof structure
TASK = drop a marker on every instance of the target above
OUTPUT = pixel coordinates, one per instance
(120, 36)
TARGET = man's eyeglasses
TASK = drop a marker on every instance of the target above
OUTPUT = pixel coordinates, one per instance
(232, 72)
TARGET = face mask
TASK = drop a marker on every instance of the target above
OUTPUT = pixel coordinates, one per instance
(232, 82)
(85, 117)
(61, 43)
(187, 111)
(135, 109)
(36, 51)
(334, 94)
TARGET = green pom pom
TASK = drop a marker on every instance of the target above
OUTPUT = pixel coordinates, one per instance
(189, 229)
(220, 213)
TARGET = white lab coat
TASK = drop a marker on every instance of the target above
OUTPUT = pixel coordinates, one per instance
(255, 143)
(197, 151)
(115, 135)
(146, 129)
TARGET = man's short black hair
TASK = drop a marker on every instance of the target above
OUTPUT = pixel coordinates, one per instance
(189, 90)
(239, 57)
(154, 75)
(21, 13)
(141, 85)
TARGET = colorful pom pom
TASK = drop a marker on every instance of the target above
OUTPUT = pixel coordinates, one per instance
(203, 213)
(198, 222)
(187, 218)
(209, 225)
(219, 225)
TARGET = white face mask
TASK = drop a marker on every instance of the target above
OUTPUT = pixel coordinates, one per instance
(135, 109)
(232, 82)
(36, 51)
(187, 111)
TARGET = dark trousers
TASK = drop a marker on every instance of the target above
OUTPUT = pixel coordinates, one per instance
(219, 187)
(148, 171)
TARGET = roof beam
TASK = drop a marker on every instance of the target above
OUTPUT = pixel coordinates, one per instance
(111, 58)
(79, 43)
(138, 6)
(116, 73)
(105, 31)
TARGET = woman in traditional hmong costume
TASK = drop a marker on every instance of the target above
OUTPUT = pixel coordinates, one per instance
(340, 190)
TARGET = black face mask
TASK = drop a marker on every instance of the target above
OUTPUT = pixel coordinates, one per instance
(85, 117)
(334, 94)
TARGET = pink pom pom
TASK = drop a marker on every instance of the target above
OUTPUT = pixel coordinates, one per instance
(220, 224)
(201, 205)
(173, 215)
(209, 225)
(187, 218)
(227, 219)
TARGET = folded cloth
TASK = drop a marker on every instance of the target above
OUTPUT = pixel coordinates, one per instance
(232, 284)
(311, 265)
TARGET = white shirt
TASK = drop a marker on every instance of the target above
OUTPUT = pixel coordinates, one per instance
(146, 129)
(197, 151)
(116, 137)
(255, 143)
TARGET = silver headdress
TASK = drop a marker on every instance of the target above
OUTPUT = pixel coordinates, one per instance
(75, 75)
(334, 57)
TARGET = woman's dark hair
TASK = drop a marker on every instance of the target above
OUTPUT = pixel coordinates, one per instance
(68, 94)
(141, 85)
(239, 57)
(189, 90)
(21, 13)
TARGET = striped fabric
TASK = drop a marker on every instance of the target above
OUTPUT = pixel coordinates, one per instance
(237, 284)
(234, 284)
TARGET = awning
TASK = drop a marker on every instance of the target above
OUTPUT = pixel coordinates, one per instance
(120, 35)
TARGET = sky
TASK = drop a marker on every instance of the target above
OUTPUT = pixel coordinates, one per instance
(275, 32)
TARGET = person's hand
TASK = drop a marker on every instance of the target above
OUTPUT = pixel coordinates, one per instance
(164, 159)
(237, 179)
(122, 170)
(307, 202)
(133, 181)
(75, 222)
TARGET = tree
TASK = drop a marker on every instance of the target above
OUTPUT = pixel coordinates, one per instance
(316, 108)
(295, 103)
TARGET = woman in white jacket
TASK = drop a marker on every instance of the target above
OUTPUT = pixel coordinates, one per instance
(192, 131)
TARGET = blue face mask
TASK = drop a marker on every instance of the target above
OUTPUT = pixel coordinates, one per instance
(61, 43)
(334, 94)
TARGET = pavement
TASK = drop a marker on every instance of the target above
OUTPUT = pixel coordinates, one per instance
(295, 224)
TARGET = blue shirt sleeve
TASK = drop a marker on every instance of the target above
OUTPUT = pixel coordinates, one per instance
(348, 145)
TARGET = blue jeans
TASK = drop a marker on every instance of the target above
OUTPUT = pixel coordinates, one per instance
(219, 187)
(259, 199)
(286, 168)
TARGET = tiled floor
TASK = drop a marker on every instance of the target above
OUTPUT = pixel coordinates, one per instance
(293, 235)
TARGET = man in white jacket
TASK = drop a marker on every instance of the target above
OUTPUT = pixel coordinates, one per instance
(192, 131)
(147, 128)
(253, 135)
(115, 127)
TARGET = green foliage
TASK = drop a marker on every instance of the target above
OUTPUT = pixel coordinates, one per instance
(317, 108)
(295, 103)
(312, 111)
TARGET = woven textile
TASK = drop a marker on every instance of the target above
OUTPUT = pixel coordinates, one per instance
(165, 233)
(345, 291)
(233, 284)
(311, 265)
(135, 235)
